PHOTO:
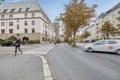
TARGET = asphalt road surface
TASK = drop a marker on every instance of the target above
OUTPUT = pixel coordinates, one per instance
(74, 64)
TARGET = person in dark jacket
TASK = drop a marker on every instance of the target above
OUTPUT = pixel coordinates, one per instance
(17, 45)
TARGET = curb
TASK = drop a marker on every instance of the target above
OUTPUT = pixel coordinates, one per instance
(47, 73)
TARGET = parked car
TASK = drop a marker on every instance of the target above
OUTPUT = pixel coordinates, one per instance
(7, 43)
(104, 46)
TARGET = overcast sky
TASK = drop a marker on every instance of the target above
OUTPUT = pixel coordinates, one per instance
(54, 7)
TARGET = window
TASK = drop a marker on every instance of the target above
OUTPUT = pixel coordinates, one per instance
(2, 16)
(97, 24)
(5, 10)
(112, 42)
(2, 23)
(20, 10)
(33, 14)
(45, 33)
(11, 23)
(26, 31)
(25, 23)
(25, 15)
(27, 9)
(97, 32)
(43, 38)
(118, 12)
(12, 10)
(17, 20)
(18, 27)
(33, 22)
(11, 16)
(2, 31)
(45, 26)
(33, 30)
(10, 30)
(101, 43)
(46, 39)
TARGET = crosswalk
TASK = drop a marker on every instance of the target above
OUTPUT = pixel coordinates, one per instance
(39, 49)
(29, 49)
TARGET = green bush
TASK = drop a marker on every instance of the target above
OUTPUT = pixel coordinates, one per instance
(12, 38)
(33, 41)
(1, 41)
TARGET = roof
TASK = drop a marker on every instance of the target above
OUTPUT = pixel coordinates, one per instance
(31, 6)
(109, 11)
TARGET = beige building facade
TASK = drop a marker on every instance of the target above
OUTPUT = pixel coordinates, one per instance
(27, 19)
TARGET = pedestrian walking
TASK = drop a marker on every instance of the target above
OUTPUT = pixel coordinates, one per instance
(17, 44)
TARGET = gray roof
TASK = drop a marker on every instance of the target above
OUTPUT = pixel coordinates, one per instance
(32, 6)
(109, 11)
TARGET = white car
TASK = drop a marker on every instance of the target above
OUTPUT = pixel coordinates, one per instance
(104, 46)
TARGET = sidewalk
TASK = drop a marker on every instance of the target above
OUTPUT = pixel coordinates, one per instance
(27, 66)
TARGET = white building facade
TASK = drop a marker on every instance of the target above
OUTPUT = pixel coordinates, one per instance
(112, 15)
(27, 19)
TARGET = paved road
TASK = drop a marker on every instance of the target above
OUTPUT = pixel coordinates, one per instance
(73, 64)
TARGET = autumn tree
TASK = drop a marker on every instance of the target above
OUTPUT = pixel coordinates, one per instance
(77, 15)
(108, 29)
(86, 34)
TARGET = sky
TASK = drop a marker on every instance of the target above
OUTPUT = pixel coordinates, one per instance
(53, 8)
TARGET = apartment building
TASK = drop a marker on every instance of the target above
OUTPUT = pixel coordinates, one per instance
(27, 19)
(112, 15)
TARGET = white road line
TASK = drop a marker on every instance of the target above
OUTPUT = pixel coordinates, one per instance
(46, 68)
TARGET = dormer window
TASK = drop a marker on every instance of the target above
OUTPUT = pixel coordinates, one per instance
(5, 10)
(12, 10)
(27, 9)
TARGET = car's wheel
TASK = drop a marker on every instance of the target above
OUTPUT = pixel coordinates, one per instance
(90, 50)
(118, 51)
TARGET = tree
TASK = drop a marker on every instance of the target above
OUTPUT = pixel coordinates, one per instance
(108, 29)
(86, 34)
(77, 15)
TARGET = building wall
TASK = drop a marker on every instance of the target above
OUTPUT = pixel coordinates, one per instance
(42, 27)
(113, 15)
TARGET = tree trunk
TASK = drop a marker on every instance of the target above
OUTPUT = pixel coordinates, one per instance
(107, 36)
(74, 44)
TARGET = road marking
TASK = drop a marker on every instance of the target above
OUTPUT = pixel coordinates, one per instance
(47, 73)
